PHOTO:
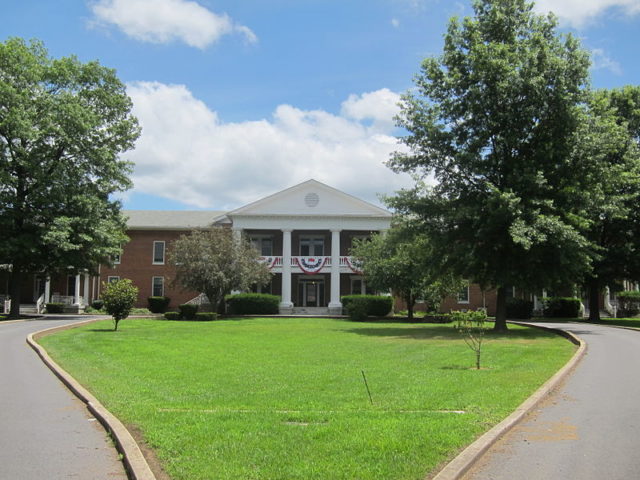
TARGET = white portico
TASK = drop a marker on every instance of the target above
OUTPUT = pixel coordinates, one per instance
(304, 234)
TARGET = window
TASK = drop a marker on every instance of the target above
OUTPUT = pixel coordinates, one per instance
(311, 246)
(266, 288)
(112, 279)
(264, 245)
(463, 294)
(116, 259)
(158, 253)
(157, 287)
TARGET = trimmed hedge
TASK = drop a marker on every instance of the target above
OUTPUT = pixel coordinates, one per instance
(358, 309)
(206, 316)
(188, 311)
(519, 308)
(376, 305)
(628, 303)
(97, 304)
(158, 304)
(253, 304)
(55, 307)
(562, 307)
(172, 315)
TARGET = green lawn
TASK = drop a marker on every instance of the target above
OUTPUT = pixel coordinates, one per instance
(285, 398)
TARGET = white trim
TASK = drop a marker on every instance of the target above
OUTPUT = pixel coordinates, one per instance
(153, 286)
(153, 252)
(113, 278)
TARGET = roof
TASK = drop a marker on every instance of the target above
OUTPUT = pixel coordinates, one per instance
(310, 198)
(170, 219)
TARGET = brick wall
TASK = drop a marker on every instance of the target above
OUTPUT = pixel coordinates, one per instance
(136, 264)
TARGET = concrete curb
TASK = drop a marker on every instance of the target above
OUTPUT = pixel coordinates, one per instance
(460, 465)
(135, 463)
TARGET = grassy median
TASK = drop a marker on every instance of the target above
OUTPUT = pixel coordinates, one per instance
(286, 398)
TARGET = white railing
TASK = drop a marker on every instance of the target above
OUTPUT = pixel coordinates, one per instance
(311, 264)
(66, 299)
(40, 304)
(199, 300)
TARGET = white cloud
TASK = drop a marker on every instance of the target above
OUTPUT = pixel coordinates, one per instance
(186, 153)
(165, 21)
(601, 60)
(395, 22)
(579, 13)
(379, 107)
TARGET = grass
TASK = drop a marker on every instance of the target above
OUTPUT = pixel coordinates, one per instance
(285, 398)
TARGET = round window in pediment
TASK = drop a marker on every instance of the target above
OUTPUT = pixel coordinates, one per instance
(311, 199)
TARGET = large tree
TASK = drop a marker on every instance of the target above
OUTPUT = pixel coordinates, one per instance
(608, 148)
(215, 263)
(63, 125)
(494, 120)
(402, 262)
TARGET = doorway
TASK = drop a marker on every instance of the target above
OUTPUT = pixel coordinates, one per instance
(311, 293)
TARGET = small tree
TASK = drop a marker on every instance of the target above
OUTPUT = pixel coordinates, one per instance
(214, 263)
(119, 298)
(471, 326)
(403, 262)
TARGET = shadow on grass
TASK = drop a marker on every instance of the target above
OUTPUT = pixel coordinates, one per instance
(447, 333)
(102, 330)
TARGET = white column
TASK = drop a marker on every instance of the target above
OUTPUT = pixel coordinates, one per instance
(335, 306)
(47, 289)
(286, 305)
(76, 293)
(86, 289)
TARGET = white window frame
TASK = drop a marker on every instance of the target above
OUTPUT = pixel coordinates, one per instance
(462, 301)
(117, 259)
(153, 286)
(260, 237)
(363, 287)
(153, 252)
(312, 239)
(113, 278)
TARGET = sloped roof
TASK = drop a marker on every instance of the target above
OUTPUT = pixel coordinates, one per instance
(310, 198)
(169, 219)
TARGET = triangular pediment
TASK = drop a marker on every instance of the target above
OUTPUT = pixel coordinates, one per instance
(310, 198)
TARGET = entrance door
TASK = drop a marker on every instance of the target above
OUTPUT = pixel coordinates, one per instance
(311, 293)
(39, 288)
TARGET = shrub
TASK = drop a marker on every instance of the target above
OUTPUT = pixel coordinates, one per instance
(562, 307)
(206, 316)
(519, 308)
(55, 307)
(471, 326)
(97, 304)
(158, 304)
(358, 309)
(376, 305)
(188, 311)
(628, 303)
(172, 315)
(119, 297)
(253, 304)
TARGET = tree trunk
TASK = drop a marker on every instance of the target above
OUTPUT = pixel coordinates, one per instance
(15, 287)
(410, 304)
(593, 287)
(501, 311)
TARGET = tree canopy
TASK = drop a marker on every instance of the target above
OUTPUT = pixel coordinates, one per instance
(214, 263)
(63, 125)
(494, 119)
(402, 262)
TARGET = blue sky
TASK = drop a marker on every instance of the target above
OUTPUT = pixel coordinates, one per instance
(241, 98)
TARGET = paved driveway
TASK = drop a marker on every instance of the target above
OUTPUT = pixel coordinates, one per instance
(589, 428)
(46, 433)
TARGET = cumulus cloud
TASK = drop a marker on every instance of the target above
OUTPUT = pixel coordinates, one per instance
(186, 153)
(601, 60)
(579, 13)
(165, 21)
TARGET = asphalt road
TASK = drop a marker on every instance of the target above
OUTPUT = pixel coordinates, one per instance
(45, 431)
(587, 429)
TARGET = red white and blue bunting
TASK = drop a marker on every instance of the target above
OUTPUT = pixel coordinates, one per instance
(356, 267)
(269, 261)
(311, 265)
